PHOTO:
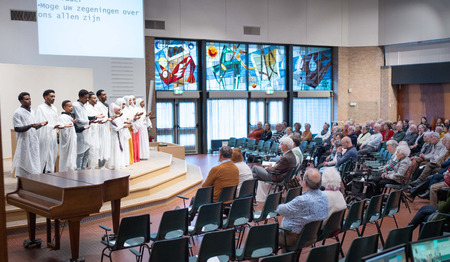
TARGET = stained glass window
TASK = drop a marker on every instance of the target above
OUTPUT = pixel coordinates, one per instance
(176, 65)
(311, 68)
(266, 67)
(226, 67)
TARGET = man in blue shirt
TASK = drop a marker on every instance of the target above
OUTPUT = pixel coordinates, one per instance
(311, 206)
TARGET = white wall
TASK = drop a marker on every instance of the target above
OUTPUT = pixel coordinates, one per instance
(308, 22)
(34, 80)
(19, 45)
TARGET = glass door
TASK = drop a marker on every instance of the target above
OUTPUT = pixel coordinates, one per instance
(165, 122)
(187, 126)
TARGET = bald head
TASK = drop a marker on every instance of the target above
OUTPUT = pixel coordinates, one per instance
(312, 178)
(346, 142)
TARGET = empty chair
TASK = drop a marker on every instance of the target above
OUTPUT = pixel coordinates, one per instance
(173, 250)
(398, 236)
(391, 207)
(248, 188)
(232, 142)
(224, 251)
(352, 221)
(262, 240)
(204, 195)
(307, 237)
(333, 227)
(209, 219)
(431, 229)
(286, 257)
(240, 143)
(173, 224)
(227, 194)
(372, 214)
(328, 253)
(361, 247)
(240, 214)
(269, 209)
(292, 193)
(133, 232)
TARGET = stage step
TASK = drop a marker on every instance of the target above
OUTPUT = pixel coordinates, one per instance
(153, 184)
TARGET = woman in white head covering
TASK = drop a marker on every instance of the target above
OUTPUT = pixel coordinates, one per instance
(119, 142)
(136, 115)
(128, 116)
(143, 132)
(125, 133)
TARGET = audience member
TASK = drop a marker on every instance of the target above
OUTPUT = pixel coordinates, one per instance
(307, 135)
(411, 137)
(267, 133)
(400, 134)
(224, 175)
(424, 122)
(364, 136)
(278, 134)
(256, 134)
(325, 133)
(331, 181)
(351, 134)
(312, 205)
(397, 175)
(288, 132)
(284, 125)
(297, 127)
(425, 212)
(387, 132)
(358, 130)
(350, 153)
(296, 150)
(434, 189)
(245, 173)
(371, 144)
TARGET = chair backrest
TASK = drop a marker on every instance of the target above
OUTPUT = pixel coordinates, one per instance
(392, 205)
(266, 146)
(333, 225)
(261, 237)
(227, 194)
(304, 144)
(308, 235)
(373, 210)
(354, 216)
(174, 223)
(209, 216)
(250, 144)
(232, 142)
(286, 257)
(132, 227)
(270, 206)
(163, 250)
(328, 253)
(274, 148)
(203, 196)
(218, 243)
(240, 209)
(260, 145)
(361, 247)
(398, 236)
(240, 143)
(318, 140)
(293, 193)
(431, 229)
(380, 153)
(248, 188)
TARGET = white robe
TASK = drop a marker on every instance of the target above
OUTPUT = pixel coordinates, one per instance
(119, 145)
(144, 146)
(104, 132)
(48, 145)
(67, 145)
(82, 119)
(93, 137)
(27, 157)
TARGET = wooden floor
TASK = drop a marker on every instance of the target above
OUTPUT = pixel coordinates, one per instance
(91, 248)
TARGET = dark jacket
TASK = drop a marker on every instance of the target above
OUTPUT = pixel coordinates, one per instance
(410, 138)
(283, 167)
(354, 139)
(266, 135)
(399, 136)
(350, 154)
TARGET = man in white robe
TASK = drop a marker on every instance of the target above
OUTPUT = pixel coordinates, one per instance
(80, 113)
(26, 158)
(94, 132)
(48, 145)
(104, 130)
(68, 139)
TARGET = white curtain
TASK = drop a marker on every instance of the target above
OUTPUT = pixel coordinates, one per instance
(275, 113)
(315, 111)
(226, 118)
(187, 123)
(164, 122)
(256, 113)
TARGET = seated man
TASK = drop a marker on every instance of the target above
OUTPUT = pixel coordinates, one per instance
(282, 168)
(311, 206)
(416, 147)
(224, 175)
(256, 134)
(349, 154)
(277, 135)
(434, 189)
(411, 136)
(400, 133)
(352, 135)
(397, 175)
(325, 133)
(373, 142)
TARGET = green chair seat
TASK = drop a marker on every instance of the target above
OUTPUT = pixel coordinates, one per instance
(205, 228)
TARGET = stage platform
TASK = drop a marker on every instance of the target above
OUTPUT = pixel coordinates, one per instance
(152, 182)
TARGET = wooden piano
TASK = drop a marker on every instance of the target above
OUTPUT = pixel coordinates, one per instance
(70, 196)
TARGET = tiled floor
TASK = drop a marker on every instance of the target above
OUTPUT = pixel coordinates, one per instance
(91, 248)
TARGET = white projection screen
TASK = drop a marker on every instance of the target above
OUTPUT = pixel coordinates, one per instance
(105, 28)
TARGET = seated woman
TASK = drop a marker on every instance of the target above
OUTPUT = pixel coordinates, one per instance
(388, 132)
(397, 174)
(245, 173)
(331, 180)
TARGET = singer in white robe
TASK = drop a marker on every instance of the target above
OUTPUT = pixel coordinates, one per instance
(27, 157)
(124, 133)
(79, 110)
(144, 123)
(118, 158)
(94, 136)
(67, 144)
(48, 145)
(105, 135)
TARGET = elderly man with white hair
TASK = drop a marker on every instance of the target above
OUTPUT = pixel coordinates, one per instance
(374, 141)
(282, 168)
(411, 136)
(397, 175)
